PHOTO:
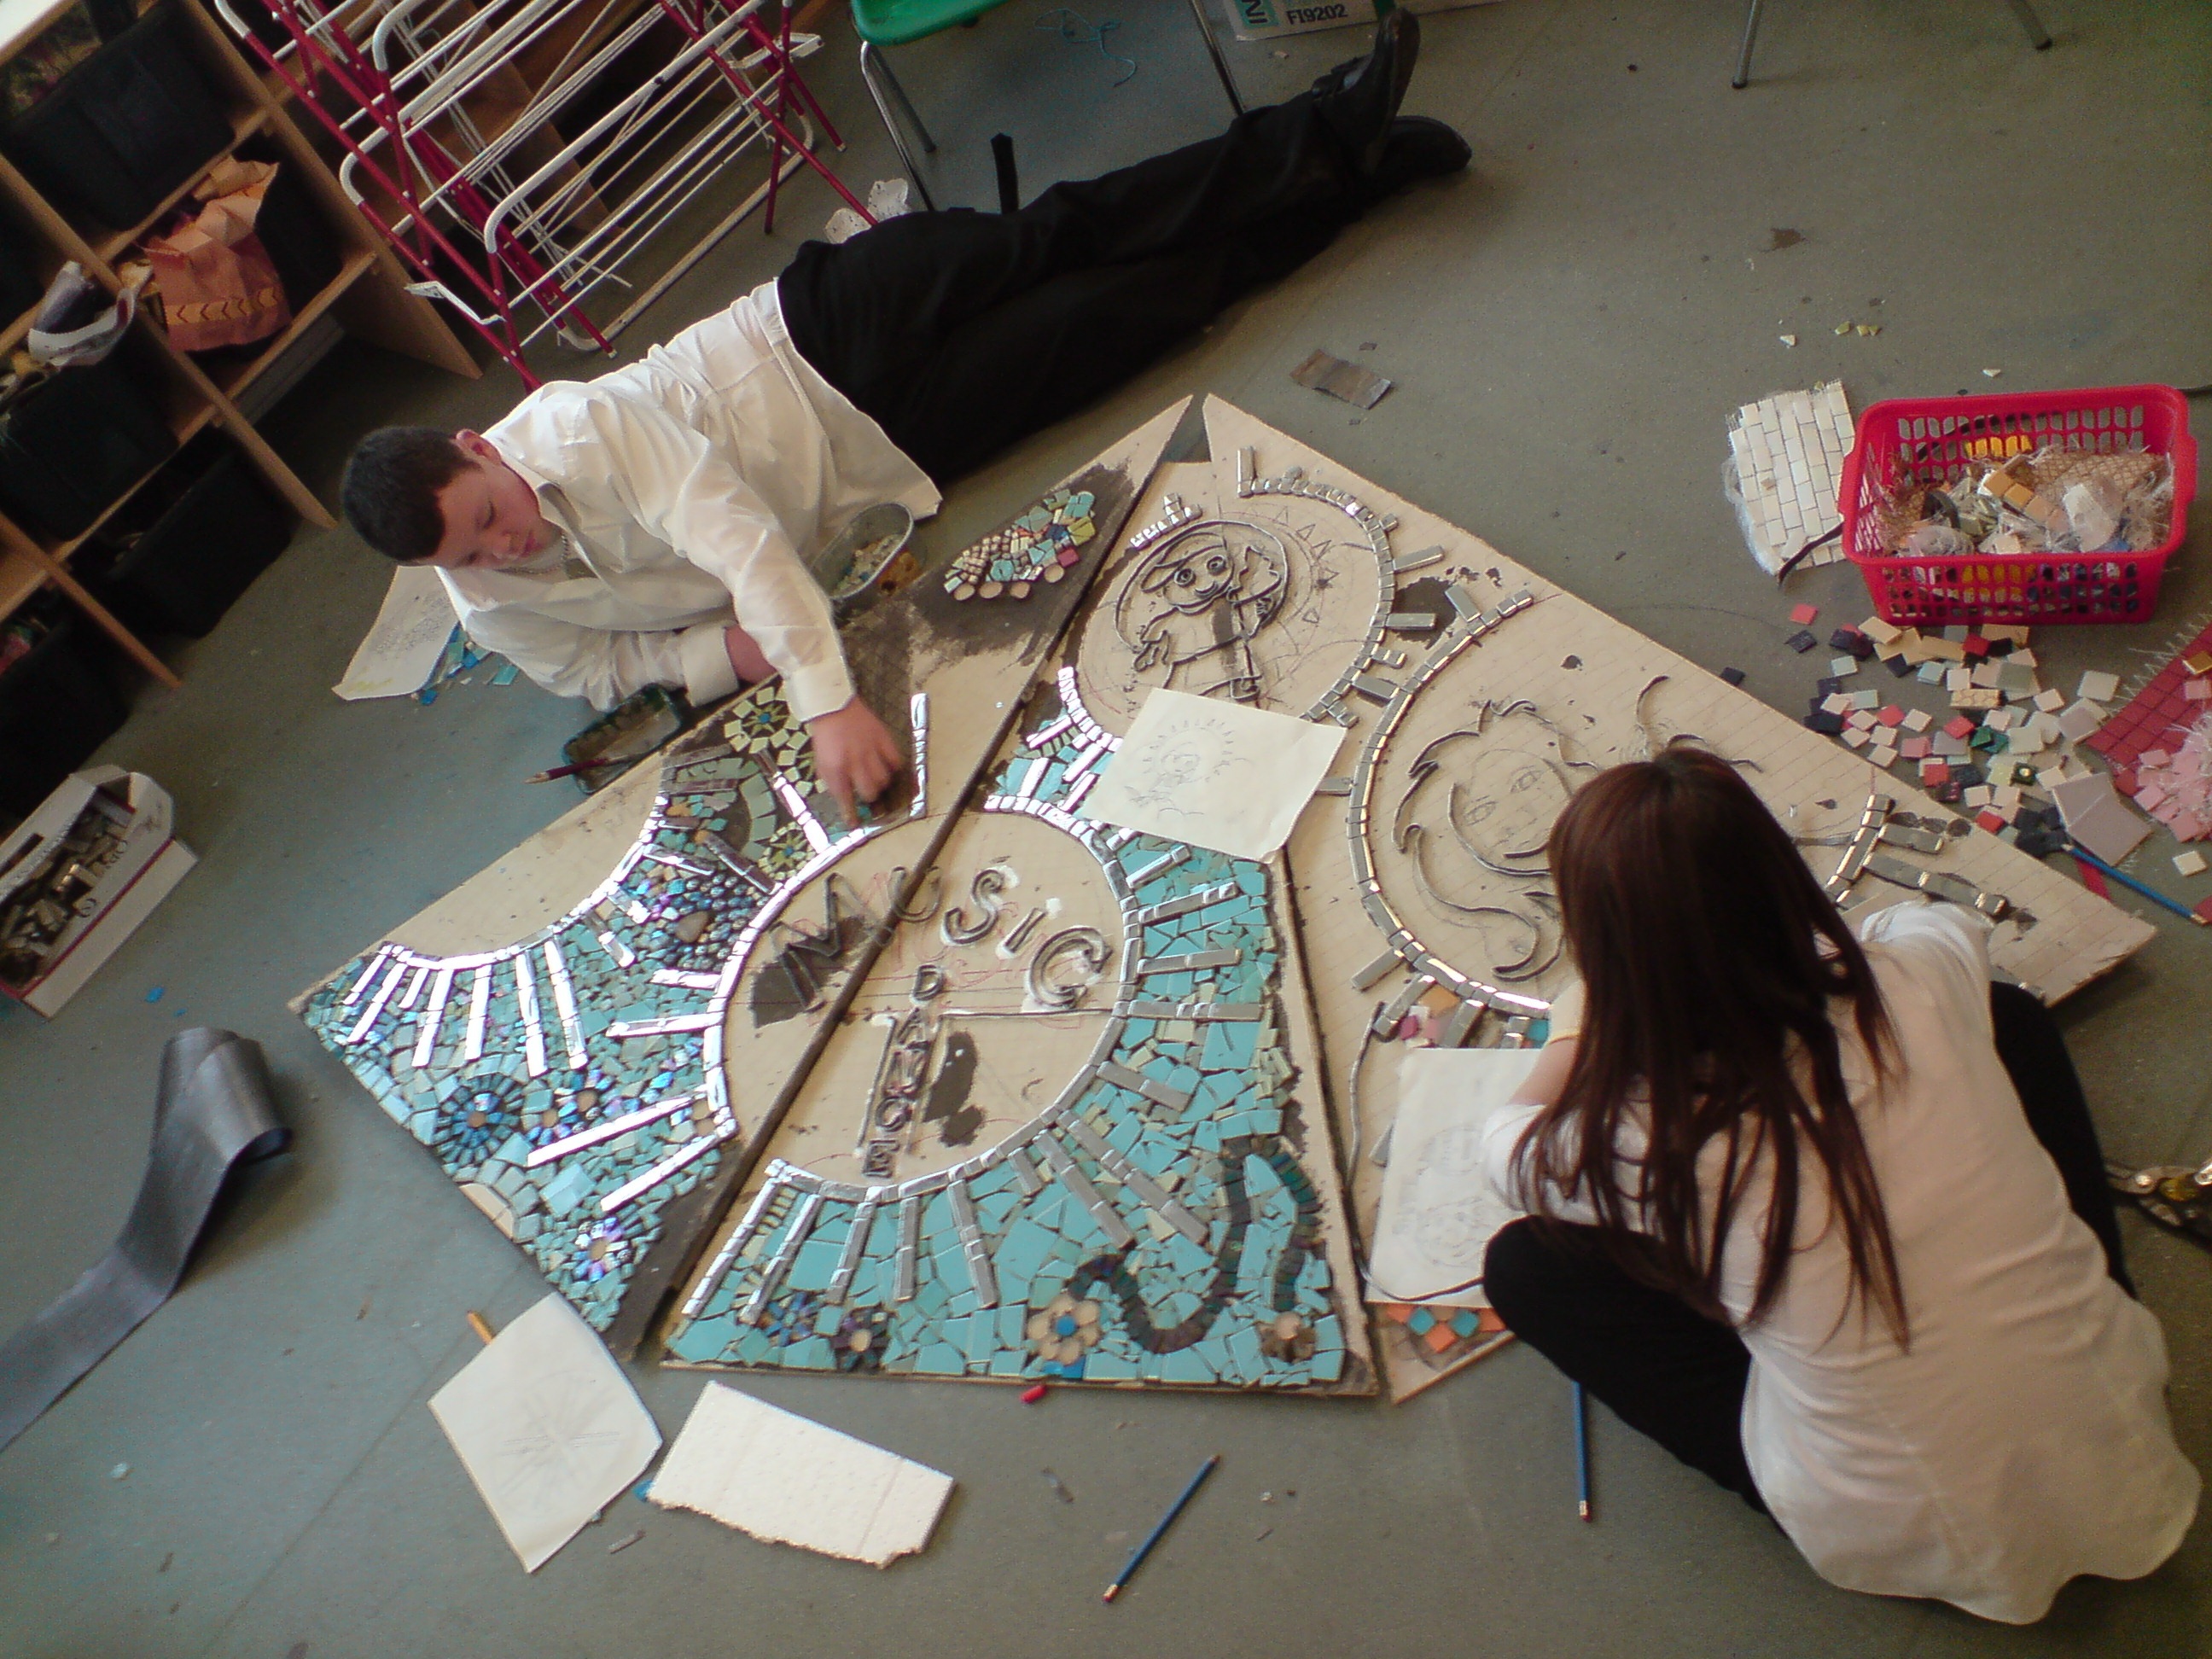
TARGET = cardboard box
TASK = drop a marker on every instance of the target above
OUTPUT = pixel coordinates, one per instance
(1264, 19)
(148, 861)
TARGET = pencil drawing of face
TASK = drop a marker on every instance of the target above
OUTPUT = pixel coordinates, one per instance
(1506, 803)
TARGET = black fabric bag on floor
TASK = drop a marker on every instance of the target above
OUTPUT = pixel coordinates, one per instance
(124, 128)
(58, 702)
(73, 442)
(197, 558)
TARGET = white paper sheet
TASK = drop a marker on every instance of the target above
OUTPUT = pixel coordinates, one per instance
(402, 644)
(548, 1427)
(1215, 774)
(1438, 1213)
(789, 1480)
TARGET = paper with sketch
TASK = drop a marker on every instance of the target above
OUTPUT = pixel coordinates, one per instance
(1438, 1212)
(404, 642)
(789, 1480)
(548, 1427)
(1215, 774)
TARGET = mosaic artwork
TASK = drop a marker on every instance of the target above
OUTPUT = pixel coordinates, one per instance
(574, 1078)
(1273, 592)
(1070, 1137)
(982, 1088)
(1427, 912)
(566, 1081)
(1043, 546)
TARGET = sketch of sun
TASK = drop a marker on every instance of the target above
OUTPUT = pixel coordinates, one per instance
(561, 1438)
(1188, 756)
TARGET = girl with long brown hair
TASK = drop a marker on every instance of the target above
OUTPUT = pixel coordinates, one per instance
(1824, 1215)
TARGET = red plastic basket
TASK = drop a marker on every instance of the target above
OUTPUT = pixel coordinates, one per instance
(1930, 440)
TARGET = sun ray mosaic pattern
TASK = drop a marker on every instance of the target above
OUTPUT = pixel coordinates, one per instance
(568, 1082)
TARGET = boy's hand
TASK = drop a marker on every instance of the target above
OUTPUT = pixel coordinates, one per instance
(855, 756)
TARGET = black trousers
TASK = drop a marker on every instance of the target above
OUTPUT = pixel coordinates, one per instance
(1678, 1376)
(963, 332)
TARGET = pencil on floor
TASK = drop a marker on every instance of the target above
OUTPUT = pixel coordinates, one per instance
(1582, 1452)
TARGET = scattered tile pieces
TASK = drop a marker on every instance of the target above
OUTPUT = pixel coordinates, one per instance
(1802, 640)
(2098, 686)
(1804, 614)
(2082, 719)
(2190, 864)
(1733, 676)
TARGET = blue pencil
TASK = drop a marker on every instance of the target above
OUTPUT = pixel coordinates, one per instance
(2127, 880)
(1135, 1560)
(1581, 1450)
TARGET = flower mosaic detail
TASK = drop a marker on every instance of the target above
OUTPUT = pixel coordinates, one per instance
(601, 1248)
(1039, 546)
(1062, 1334)
(482, 1117)
(862, 1336)
(555, 1119)
(792, 1319)
(1286, 1337)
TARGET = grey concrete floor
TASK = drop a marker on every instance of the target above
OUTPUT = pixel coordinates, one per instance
(1569, 325)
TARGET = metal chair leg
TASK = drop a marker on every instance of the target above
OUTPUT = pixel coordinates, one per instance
(1750, 34)
(2032, 24)
(1221, 64)
(883, 67)
(872, 63)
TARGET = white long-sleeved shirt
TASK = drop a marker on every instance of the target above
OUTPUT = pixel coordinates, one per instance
(2022, 1439)
(690, 485)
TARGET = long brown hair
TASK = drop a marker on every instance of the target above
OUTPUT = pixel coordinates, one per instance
(1709, 955)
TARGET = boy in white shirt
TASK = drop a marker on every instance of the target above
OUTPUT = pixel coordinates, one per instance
(651, 526)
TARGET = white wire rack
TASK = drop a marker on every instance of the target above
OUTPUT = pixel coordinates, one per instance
(466, 163)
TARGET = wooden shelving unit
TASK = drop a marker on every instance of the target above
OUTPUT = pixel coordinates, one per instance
(367, 297)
